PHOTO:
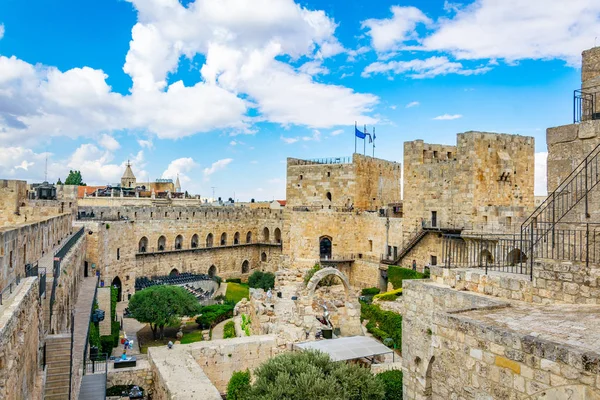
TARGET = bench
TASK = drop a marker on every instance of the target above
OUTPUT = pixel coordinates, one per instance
(120, 363)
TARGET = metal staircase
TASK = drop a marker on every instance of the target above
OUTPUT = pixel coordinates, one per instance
(538, 231)
(414, 240)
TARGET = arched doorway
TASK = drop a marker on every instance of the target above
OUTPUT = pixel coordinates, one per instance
(249, 237)
(178, 242)
(277, 235)
(266, 235)
(174, 272)
(516, 256)
(143, 245)
(212, 271)
(245, 267)
(116, 283)
(263, 257)
(325, 248)
(209, 240)
(236, 238)
(162, 243)
(223, 239)
(485, 257)
(194, 242)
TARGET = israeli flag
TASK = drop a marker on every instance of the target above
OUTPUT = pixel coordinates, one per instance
(359, 134)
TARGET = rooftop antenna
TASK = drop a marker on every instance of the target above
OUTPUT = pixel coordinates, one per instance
(213, 188)
(46, 168)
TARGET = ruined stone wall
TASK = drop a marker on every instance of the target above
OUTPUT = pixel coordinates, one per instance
(450, 355)
(20, 318)
(140, 375)
(366, 183)
(483, 170)
(23, 244)
(308, 184)
(219, 359)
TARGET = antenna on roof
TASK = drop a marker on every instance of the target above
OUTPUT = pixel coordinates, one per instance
(46, 168)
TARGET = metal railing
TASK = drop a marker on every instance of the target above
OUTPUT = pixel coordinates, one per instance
(325, 258)
(98, 364)
(9, 288)
(327, 160)
(585, 104)
(35, 270)
(573, 242)
(87, 332)
(60, 253)
(321, 208)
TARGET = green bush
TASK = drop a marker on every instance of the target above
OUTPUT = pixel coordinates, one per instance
(261, 280)
(312, 375)
(94, 335)
(239, 385)
(212, 315)
(370, 291)
(389, 296)
(382, 324)
(310, 273)
(397, 274)
(234, 280)
(392, 381)
(229, 330)
(246, 324)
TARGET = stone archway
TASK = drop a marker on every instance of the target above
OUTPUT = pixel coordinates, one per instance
(311, 286)
(212, 271)
(116, 283)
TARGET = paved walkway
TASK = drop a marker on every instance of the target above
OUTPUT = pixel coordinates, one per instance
(221, 290)
(83, 307)
(217, 332)
(131, 327)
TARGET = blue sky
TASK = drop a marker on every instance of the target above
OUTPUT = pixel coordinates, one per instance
(221, 92)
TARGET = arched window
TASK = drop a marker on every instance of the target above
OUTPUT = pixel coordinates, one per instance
(277, 235)
(194, 242)
(162, 243)
(249, 237)
(328, 196)
(178, 242)
(266, 235)
(143, 245)
(212, 271)
(325, 248)
(223, 239)
(245, 267)
(116, 283)
(174, 272)
(209, 240)
(263, 257)
(236, 238)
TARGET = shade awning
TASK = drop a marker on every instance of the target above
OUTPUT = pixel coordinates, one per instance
(347, 348)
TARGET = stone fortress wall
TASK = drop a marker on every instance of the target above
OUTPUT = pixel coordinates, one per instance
(486, 179)
(363, 183)
(124, 242)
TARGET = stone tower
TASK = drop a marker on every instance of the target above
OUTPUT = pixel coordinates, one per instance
(128, 179)
(177, 185)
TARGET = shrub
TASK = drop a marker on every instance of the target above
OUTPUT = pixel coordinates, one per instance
(234, 280)
(212, 315)
(309, 274)
(239, 385)
(261, 280)
(397, 274)
(382, 324)
(392, 381)
(246, 324)
(389, 296)
(370, 291)
(94, 335)
(312, 375)
(229, 330)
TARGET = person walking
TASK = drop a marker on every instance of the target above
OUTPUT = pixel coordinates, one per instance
(414, 265)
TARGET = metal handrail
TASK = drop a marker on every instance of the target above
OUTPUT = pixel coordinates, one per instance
(322, 208)
(87, 332)
(585, 103)
(174, 249)
(12, 284)
(60, 253)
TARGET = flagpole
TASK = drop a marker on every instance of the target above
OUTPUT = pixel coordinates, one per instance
(365, 142)
(373, 142)
(355, 128)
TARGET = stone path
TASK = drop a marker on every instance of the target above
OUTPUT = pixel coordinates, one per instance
(83, 307)
(221, 290)
(131, 328)
(217, 332)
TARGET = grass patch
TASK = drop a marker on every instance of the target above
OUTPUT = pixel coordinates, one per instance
(236, 292)
(229, 330)
(192, 337)
(389, 296)
(397, 274)
(191, 333)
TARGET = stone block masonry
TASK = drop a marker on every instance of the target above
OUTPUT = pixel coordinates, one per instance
(20, 365)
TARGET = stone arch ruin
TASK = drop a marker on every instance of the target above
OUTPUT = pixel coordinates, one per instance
(311, 286)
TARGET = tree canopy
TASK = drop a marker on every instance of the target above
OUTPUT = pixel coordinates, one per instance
(162, 305)
(74, 178)
(312, 375)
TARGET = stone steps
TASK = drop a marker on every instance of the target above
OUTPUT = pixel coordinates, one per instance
(58, 367)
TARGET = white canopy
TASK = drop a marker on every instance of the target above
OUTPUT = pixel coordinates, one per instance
(347, 348)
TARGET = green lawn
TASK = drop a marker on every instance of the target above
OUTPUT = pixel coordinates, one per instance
(192, 337)
(236, 291)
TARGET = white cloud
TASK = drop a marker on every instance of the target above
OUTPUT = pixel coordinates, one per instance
(387, 34)
(419, 69)
(108, 142)
(217, 166)
(24, 165)
(2, 30)
(148, 144)
(233, 143)
(447, 117)
(412, 104)
(313, 68)
(316, 136)
(540, 187)
(180, 168)
(289, 140)
(337, 132)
